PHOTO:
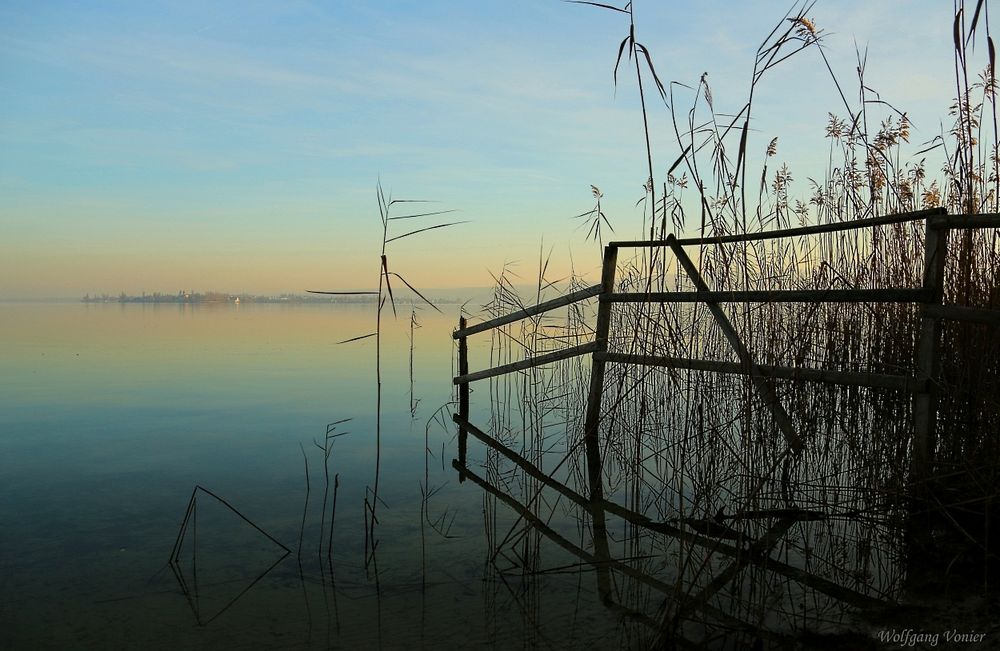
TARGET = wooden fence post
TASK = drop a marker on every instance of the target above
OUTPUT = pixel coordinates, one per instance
(463, 396)
(592, 422)
(596, 393)
(928, 354)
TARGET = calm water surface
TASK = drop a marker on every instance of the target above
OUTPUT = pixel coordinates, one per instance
(111, 414)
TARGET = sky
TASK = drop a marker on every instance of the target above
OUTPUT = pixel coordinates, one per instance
(237, 146)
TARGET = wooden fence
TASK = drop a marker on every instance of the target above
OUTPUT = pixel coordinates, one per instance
(922, 384)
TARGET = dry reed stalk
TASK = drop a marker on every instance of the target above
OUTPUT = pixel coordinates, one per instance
(384, 294)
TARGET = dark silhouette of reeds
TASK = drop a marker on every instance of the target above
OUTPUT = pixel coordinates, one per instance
(786, 415)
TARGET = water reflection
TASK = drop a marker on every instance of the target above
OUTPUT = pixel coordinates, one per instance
(722, 582)
(228, 591)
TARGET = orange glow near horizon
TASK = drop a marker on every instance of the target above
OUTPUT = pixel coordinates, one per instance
(62, 271)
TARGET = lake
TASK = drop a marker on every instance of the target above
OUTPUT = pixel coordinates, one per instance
(111, 414)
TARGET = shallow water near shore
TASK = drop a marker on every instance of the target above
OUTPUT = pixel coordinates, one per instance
(111, 414)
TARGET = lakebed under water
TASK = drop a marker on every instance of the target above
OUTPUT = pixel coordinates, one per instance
(111, 414)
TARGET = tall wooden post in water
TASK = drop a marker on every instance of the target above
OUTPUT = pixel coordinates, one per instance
(593, 418)
(463, 395)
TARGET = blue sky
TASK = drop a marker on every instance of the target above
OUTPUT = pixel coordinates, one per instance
(237, 146)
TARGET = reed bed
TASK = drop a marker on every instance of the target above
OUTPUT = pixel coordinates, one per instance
(702, 450)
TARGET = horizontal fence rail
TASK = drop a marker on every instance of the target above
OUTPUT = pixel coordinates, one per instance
(546, 306)
(788, 232)
(538, 360)
(964, 221)
(775, 296)
(849, 378)
(962, 313)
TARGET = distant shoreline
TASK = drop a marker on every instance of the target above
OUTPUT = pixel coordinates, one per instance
(474, 296)
(215, 298)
